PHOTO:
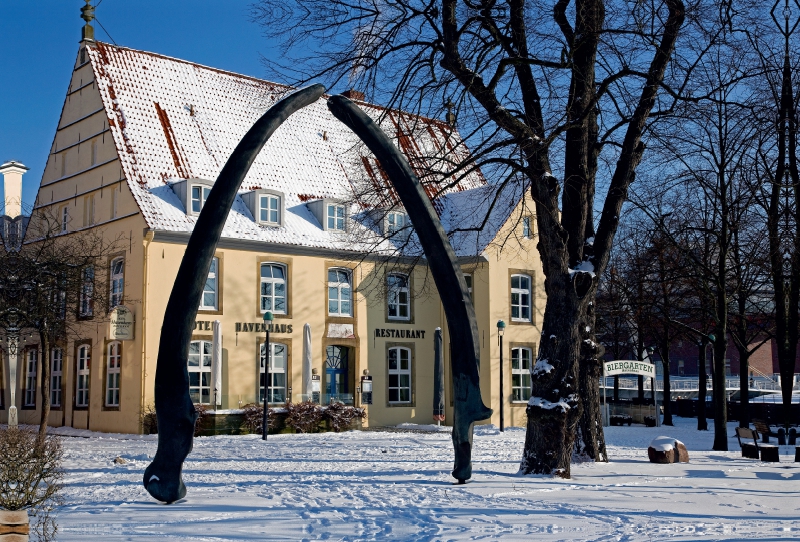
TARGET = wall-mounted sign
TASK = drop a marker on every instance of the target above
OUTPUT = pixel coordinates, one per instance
(629, 367)
(121, 325)
(341, 331)
(400, 333)
(261, 327)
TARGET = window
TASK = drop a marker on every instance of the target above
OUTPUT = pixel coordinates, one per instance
(85, 305)
(521, 374)
(520, 298)
(468, 280)
(526, 227)
(56, 373)
(199, 365)
(277, 374)
(727, 367)
(335, 216)
(273, 288)
(83, 363)
(88, 210)
(114, 356)
(680, 367)
(339, 296)
(395, 222)
(269, 209)
(114, 200)
(64, 219)
(209, 300)
(199, 196)
(399, 375)
(31, 364)
(398, 298)
(117, 280)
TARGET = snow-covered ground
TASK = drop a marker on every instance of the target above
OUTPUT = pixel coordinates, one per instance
(396, 486)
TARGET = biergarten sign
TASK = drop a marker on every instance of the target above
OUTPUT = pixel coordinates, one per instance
(629, 367)
(121, 328)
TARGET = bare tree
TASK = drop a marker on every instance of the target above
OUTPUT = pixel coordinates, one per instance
(531, 83)
(51, 286)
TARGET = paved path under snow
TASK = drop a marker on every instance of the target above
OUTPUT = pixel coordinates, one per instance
(396, 486)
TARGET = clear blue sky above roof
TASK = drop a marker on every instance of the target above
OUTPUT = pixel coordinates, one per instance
(41, 40)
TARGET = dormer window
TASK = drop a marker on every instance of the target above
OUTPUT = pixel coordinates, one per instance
(395, 221)
(332, 214)
(266, 206)
(335, 215)
(193, 194)
(269, 209)
(199, 196)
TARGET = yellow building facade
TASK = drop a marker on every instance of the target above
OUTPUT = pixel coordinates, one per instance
(141, 138)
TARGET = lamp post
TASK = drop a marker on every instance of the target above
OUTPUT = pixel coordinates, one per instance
(501, 327)
(265, 420)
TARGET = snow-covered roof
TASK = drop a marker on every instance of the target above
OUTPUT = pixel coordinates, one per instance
(173, 120)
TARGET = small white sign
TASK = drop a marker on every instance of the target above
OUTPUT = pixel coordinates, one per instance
(629, 367)
(121, 326)
(341, 331)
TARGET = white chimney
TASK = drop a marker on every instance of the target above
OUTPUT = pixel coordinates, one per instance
(12, 186)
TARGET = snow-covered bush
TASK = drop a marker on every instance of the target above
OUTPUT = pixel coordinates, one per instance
(341, 417)
(303, 417)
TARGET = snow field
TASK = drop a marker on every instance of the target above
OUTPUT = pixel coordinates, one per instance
(376, 485)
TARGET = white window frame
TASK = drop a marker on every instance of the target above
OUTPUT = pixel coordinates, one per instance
(202, 196)
(211, 287)
(116, 282)
(335, 217)
(113, 368)
(394, 297)
(468, 280)
(273, 297)
(522, 357)
(203, 367)
(527, 231)
(56, 376)
(31, 367)
(400, 377)
(395, 222)
(85, 302)
(83, 364)
(277, 373)
(521, 293)
(340, 294)
(265, 210)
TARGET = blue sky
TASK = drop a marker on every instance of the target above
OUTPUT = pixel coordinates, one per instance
(39, 42)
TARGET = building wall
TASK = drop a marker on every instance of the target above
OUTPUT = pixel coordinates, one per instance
(84, 176)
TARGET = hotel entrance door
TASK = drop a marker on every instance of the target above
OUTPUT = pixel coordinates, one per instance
(336, 376)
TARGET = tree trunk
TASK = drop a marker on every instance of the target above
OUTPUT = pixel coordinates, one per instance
(702, 423)
(45, 386)
(554, 409)
(744, 387)
(590, 443)
(720, 395)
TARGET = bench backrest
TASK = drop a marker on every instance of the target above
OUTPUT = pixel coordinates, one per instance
(746, 432)
(761, 426)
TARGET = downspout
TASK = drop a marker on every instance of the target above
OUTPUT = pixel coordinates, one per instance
(148, 238)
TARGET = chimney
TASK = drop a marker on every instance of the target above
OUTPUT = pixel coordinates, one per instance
(353, 94)
(12, 186)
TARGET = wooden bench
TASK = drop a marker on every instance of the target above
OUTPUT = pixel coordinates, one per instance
(752, 449)
(763, 429)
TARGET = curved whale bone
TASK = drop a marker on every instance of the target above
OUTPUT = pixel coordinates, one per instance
(447, 275)
(174, 409)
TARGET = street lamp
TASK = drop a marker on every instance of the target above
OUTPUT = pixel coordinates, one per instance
(501, 327)
(265, 420)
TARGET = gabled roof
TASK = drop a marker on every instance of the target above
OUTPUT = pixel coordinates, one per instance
(172, 120)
